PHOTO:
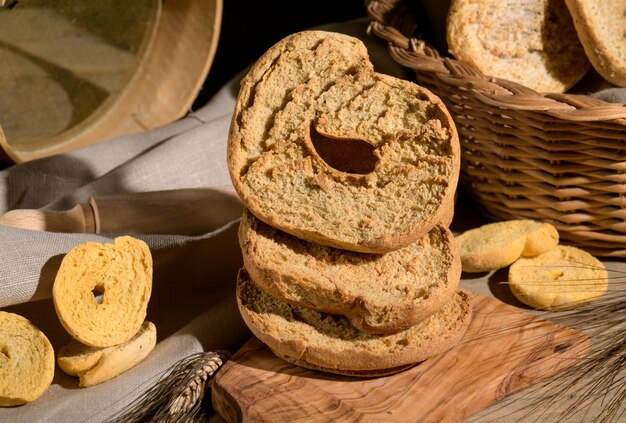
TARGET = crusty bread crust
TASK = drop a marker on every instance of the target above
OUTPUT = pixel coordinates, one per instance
(330, 342)
(122, 271)
(378, 293)
(601, 27)
(26, 360)
(496, 245)
(563, 277)
(321, 84)
(351, 373)
(533, 43)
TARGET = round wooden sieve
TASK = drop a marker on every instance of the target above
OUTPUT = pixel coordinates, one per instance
(75, 73)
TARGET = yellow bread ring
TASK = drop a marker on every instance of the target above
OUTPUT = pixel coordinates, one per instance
(26, 360)
(122, 273)
(324, 148)
(562, 277)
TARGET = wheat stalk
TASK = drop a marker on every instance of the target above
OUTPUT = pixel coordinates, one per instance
(179, 395)
(599, 379)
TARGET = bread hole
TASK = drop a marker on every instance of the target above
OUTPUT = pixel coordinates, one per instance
(344, 154)
(98, 293)
(4, 351)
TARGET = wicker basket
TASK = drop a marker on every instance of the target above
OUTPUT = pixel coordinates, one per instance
(560, 158)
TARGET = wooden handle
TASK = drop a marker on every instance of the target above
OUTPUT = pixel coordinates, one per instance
(191, 211)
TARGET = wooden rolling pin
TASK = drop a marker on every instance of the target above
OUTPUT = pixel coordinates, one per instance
(190, 211)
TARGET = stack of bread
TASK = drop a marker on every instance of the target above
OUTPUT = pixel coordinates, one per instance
(348, 177)
(101, 294)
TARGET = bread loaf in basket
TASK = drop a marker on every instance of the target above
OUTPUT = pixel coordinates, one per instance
(556, 157)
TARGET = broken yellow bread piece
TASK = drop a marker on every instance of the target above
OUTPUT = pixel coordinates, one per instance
(562, 277)
(122, 273)
(26, 360)
(496, 245)
(97, 365)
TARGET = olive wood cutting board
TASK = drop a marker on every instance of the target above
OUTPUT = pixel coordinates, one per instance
(504, 351)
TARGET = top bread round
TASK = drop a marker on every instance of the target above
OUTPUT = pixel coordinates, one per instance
(533, 43)
(326, 149)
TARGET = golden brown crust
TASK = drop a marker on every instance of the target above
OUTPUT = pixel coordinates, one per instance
(378, 293)
(331, 342)
(317, 84)
(351, 373)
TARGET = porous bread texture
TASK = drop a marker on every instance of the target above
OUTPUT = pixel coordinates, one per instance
(331, 343)
(496, 245)
(317, 84)
(122, 272)
(561, 278)
(97, 365)
(601, 28)
(378, 293)
(531, 42)
(26, 360)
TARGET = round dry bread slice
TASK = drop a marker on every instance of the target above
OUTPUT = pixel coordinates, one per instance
(122, 273)
(97, 365)
(379, 293)
(601, 27)
(26, 360)
(563, 277)
(324, 148)
(533, 43)
(329, 342)
(496, 245)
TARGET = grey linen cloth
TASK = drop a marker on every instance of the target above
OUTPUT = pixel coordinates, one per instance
(193, 301)
(192, 305)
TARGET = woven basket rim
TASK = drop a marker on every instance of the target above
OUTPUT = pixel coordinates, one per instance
(406, 48)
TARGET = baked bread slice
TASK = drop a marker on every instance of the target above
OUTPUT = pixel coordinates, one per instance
(496, 245)
(122, 273)
(378, 293)
(563, 277)
(324, 148)
(97, 365)
(601, 27)
(26, 360)
(329, 342)
(533, 43)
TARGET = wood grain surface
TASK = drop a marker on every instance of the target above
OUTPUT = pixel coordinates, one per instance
(504, 351)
